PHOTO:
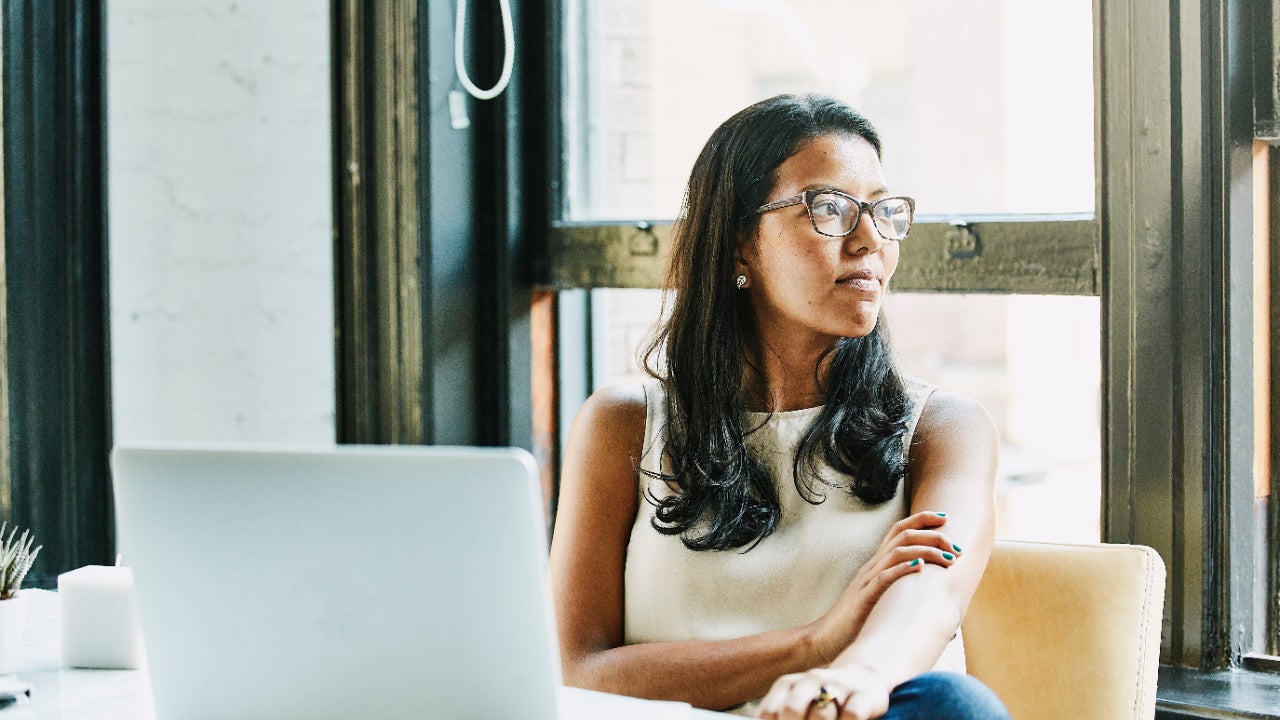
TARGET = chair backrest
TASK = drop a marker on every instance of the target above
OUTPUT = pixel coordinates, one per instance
(1068, 631)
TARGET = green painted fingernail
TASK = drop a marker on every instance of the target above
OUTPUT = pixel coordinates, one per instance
(955, 547)
(948, 556)
(914, 563)
(940, 514)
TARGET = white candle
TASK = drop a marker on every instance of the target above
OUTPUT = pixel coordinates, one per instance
(99, 618)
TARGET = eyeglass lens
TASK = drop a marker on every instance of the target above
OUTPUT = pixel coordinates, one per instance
(837, 215)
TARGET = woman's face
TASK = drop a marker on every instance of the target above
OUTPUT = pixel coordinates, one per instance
(809, 289)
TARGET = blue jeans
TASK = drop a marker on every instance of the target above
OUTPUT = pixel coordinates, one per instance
(944, 696)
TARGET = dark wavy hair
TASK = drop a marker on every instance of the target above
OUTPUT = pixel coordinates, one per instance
(724, 497)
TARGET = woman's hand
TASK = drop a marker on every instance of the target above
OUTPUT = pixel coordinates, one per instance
(849, 693)
(909, 544)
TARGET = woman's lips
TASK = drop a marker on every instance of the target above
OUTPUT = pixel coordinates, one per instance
(864, 280)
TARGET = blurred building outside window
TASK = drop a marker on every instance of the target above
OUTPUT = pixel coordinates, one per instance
(984, 107)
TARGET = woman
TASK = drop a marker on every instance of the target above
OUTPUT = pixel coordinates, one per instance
(748, 530)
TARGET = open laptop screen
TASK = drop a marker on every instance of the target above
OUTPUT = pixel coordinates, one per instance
(381, 581)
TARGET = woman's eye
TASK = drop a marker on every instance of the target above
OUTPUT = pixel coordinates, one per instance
(826, 208)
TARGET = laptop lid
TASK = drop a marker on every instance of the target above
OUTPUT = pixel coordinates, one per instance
(343, 581)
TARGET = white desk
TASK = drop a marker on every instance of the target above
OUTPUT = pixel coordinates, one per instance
(58, 692)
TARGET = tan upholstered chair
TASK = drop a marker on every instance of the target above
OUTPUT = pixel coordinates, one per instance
(1068, 631)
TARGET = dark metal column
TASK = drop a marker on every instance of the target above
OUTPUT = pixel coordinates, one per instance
(55, 361)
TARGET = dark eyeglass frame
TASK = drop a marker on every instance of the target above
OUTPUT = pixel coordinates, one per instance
(806, 198)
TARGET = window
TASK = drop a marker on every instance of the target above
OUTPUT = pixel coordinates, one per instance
(1033, 363)
(1031, 360)
(636, 118)
(963, 93)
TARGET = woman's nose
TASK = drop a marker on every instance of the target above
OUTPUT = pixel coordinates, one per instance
(864, 238)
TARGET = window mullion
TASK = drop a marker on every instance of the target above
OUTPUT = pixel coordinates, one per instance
(1042, 255)
(1272, 608)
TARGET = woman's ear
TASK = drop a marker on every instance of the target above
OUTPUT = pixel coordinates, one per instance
(744, 254)
(741, 264)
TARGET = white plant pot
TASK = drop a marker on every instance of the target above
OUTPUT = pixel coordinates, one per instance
(13, 618)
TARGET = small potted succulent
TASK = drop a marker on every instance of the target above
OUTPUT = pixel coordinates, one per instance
(16, 557)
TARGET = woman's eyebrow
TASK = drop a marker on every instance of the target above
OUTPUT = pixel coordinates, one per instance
(882, 190)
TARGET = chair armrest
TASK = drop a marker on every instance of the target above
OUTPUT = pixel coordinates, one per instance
(1068, 631)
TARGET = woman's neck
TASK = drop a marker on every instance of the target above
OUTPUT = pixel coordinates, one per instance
(782, 379)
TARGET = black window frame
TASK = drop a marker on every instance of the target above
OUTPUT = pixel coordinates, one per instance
(55, 423)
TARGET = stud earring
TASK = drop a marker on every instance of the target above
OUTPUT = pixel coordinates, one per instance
(740, 281)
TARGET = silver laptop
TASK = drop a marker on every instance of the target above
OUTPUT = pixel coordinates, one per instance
(387, 582)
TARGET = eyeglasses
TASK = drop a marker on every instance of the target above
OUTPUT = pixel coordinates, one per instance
(836, 214)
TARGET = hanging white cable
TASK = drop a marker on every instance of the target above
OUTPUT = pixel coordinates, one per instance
(508, 51)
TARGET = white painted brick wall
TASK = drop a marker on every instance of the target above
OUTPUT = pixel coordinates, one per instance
(220, 220)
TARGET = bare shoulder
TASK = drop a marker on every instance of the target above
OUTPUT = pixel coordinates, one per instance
(617, 400)
(615, 415)
(607, 439)
(949, 417)
(598, 492)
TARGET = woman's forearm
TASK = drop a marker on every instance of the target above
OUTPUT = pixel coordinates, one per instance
(906, 632)
(713, 675)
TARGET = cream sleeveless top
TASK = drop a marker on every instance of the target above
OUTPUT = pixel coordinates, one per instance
(789, 579)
